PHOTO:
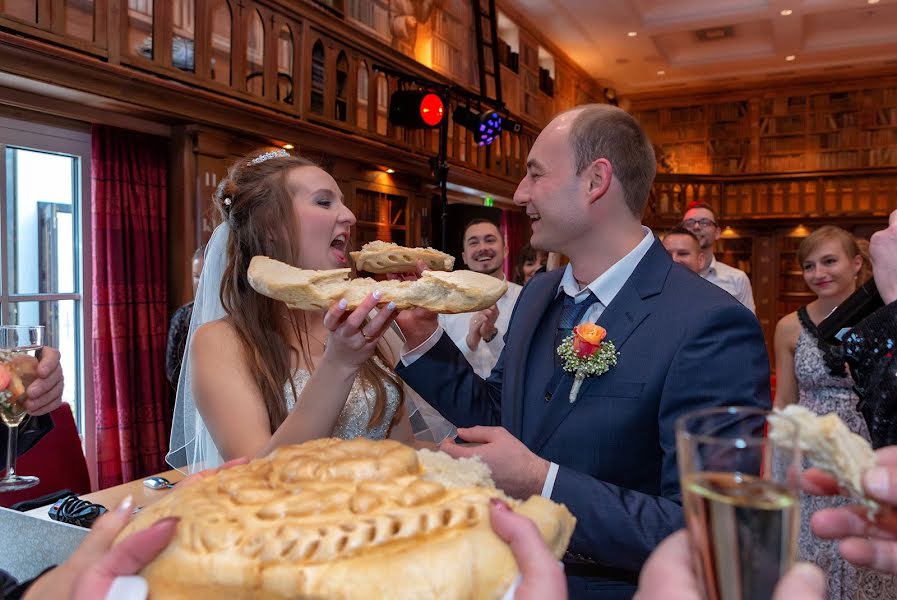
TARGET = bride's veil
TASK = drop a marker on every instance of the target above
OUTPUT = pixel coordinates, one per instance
(192, 448)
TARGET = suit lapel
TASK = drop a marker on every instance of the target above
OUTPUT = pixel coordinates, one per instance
(532, 304)
(626, 312)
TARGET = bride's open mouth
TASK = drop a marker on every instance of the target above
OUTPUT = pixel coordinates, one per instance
(338, 247)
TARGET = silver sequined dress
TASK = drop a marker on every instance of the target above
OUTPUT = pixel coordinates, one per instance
(353, 421)
(822, 392)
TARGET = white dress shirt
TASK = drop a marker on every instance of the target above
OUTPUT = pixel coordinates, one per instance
(485, 356)
(605, 288)
(735, 281)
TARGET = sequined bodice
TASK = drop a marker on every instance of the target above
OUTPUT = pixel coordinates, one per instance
(353, 421)
(811, 369)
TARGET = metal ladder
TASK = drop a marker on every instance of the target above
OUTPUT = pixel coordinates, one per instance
(486, 28)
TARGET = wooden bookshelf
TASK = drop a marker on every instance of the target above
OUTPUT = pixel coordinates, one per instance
(842, 127)
(381, 216)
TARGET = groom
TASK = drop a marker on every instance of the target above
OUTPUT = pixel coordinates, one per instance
(683, 344)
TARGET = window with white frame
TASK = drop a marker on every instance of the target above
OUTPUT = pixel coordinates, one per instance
(44, 229)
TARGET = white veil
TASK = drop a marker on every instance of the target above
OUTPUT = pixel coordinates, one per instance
(192, 448)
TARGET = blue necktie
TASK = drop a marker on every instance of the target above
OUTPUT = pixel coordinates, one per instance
(572, 314)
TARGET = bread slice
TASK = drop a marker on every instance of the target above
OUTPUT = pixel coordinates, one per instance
(439, 291)
(339, 519)
(386, 257)
(829, 445)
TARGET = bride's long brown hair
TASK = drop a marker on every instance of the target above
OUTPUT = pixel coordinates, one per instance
(256, 203)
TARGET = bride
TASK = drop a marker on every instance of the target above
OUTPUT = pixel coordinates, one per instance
(258, 375)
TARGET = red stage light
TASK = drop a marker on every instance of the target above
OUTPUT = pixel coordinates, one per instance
(432, 110)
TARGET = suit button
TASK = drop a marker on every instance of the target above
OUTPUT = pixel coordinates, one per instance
(547, 396)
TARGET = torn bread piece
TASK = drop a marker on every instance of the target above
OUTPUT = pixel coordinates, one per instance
(830, 446)
(386, 257)
(438, 291)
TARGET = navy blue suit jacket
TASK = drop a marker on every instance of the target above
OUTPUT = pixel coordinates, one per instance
(683, 344)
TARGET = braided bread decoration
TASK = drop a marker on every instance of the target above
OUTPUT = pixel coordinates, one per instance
(339, 519)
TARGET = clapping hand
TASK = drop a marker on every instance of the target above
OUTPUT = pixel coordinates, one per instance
(883, 251)
(482, 326)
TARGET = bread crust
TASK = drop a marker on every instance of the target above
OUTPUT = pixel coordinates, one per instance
(386, 257)
(438, 291)
(830, 446)
(338, 519)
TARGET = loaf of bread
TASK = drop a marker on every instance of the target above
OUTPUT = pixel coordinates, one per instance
(339, 519)
(439, 291)
(386, 257)
(829, 445)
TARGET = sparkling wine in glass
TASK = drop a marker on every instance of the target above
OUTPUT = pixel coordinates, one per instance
(18, 369)
(741, 497)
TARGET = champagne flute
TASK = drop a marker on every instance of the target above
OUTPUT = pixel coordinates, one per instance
(18, 369)
(741, 498)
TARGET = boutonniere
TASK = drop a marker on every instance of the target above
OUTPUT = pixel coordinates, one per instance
(587, 354)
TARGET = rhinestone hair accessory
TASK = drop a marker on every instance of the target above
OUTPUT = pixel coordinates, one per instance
(219, 193)
(267, 156)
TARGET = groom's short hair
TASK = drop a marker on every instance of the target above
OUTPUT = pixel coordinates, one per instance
(605, 131)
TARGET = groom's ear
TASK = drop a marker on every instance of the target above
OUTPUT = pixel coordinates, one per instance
(600, 173)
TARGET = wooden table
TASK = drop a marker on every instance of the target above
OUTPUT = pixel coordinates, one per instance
(112, 497)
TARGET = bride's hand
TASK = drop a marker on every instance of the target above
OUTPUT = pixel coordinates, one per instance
(352, 340)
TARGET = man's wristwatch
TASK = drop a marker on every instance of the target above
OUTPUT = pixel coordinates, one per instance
(491, 336)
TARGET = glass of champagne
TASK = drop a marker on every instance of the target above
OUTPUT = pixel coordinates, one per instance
(741, 497)
(18, 369)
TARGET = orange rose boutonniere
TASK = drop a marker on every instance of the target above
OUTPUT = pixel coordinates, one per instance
(587, 354)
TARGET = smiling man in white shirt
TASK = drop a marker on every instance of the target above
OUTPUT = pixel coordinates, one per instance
(480, 335)
(701, 221)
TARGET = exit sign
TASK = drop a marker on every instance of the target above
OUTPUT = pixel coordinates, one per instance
(488, 201)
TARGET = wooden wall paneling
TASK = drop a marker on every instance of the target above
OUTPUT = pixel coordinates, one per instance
(182, 225)
(45, 14)
(163, 34)
(352, 90)
(241, 13)
(101, 23)
(57, 15)
(202, 40)
(271, 66)
(763, 284)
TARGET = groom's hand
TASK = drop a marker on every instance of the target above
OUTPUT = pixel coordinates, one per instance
(515, 469)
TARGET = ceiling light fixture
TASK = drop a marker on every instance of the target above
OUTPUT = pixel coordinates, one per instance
(632, 33)
(288, 146)
(790, 57)
(872, 1)
(390, 171)
(661, 72)
(785, 12)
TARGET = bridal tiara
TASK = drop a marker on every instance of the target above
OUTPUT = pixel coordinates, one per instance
(267, 156)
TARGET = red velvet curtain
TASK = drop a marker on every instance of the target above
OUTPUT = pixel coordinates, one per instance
(515, 228)
(130, 311)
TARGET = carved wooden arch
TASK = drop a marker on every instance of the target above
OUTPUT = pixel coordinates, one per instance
(317, 43)
(341, 100)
